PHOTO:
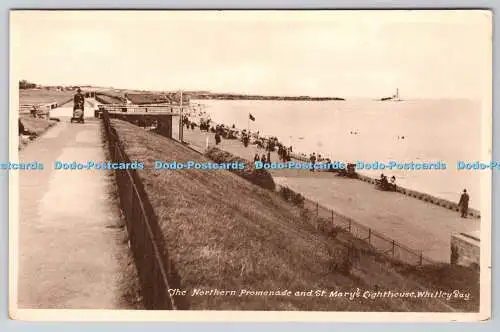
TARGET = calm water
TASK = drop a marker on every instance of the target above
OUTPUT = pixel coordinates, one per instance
(433, 130)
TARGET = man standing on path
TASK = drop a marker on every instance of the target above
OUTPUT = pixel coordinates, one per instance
(463, 204)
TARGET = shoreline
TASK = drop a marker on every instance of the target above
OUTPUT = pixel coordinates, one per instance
(407, 191)
(259, 97)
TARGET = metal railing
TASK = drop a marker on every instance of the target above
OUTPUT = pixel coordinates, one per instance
(378, 241)
(141, 221)
(152, 108)
(38, 110)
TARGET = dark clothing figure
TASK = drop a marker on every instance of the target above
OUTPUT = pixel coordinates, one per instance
(313, 161)
(263, 158)
(393, 183)
(246, 140)
(383, 183)
(463, 204)
(256, 157)
(79, 100)
(21, 128)
(217, 138)
(34, 111)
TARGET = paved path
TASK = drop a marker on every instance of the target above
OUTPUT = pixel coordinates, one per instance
(414, 223)
(69, 244)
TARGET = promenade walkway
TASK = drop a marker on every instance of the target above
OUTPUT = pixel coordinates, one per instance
(71, 248)
(414, 223)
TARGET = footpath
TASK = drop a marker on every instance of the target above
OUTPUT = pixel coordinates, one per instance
(71, 245)
(417, 224)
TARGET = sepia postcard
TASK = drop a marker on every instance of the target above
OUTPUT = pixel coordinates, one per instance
(237, 166)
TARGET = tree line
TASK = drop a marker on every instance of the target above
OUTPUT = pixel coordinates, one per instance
(24, 84)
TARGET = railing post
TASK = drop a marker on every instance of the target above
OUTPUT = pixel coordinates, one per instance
(393, 247)
(317, 209)
(350, 226)
(421, 258)
(332, 218)
(369, 235)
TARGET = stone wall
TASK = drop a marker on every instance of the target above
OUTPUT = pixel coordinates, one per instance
(426, 198)
(465, 250)
(165, 126)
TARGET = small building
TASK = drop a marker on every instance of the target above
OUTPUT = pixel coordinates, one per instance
(142, 115)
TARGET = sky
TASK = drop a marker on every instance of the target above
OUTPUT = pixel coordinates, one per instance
(426, 54)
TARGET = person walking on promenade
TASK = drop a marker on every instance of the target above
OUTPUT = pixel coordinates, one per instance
(463, 204)
(313, 161)
(256, 157)
(78, 100)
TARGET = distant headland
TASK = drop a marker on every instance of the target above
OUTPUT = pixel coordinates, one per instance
(237, 96)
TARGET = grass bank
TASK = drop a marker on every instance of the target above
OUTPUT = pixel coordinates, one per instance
(42, 96)
(259, 177)
(222, 232)
(109, 98)
(33, 127)
(147, 98)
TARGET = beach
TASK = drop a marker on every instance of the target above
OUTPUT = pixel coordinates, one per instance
(366, 130)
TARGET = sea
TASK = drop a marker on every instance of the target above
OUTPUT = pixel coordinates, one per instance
(373, 131)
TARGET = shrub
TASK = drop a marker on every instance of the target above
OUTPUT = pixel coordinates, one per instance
(260, 177)
(298, 199)
(343, 258)
(286, 193)
(292, 196)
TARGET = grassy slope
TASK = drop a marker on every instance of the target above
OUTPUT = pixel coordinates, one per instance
(223, 232)
(107, 99)
(36, 126)
(146, 98)
(43, 96)
(110, 97)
